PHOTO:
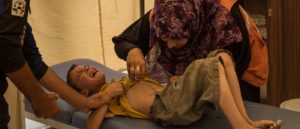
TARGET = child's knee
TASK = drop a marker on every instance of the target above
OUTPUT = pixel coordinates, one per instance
(221, 68)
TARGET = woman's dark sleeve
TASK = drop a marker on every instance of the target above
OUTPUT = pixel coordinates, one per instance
(241, 51)
(135, 36)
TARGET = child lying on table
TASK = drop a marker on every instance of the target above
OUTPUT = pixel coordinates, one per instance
(206, 82)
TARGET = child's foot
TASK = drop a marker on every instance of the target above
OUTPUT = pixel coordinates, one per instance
(276, 125)
(267, 124)
(262, 124)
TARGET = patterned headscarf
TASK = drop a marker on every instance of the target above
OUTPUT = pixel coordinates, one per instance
(207, 26)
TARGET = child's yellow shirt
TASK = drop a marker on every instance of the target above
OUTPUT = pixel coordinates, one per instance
(119, 106)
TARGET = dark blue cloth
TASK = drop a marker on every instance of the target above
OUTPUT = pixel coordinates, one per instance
(1, 5)
(13, 54)
(38, 67)
(4, 116)
(32, 55)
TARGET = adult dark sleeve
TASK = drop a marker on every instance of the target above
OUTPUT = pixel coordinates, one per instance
(11, 35)
(135, 36)
(32, 55)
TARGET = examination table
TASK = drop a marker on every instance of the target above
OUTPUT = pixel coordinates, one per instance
(72, 118)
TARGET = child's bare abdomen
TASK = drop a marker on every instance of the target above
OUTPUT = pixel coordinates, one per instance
(141, 96)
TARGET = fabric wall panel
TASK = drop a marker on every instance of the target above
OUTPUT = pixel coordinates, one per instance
(66, 30)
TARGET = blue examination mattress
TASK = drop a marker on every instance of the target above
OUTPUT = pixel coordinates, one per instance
(211, 120)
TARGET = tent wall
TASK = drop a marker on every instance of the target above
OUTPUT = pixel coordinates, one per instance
(82, 29)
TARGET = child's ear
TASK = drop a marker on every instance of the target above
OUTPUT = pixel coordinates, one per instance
(85, 92)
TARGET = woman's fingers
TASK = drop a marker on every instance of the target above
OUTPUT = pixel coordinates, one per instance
(139, 72)
(136, 64)
(130, 70)
(136, 72)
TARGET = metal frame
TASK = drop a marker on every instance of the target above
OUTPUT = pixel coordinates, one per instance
(142, 7)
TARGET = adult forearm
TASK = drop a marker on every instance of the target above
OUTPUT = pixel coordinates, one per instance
(26, 83)
(134, 36)
(54, 83)
(39, 99)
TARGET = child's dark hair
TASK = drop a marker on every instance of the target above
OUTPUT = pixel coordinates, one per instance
(69, 79)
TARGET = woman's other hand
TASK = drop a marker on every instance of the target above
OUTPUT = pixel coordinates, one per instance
(136, 64)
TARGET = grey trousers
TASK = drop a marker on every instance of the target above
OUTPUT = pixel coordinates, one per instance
(182, 102)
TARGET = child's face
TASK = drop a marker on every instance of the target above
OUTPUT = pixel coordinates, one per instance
(87, 77)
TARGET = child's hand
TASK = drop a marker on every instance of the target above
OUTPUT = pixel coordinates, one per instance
(104, 97)
(97, 100)
(115, 89)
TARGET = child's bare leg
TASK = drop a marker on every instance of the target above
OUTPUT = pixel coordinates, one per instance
(233, 83)
(236, 93)
(228, 104)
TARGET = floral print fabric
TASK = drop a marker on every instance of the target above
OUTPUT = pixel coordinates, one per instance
(205, 23)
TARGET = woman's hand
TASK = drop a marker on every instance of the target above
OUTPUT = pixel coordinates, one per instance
(136, 64)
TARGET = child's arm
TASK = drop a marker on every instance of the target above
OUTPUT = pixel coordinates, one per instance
(96, 117)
